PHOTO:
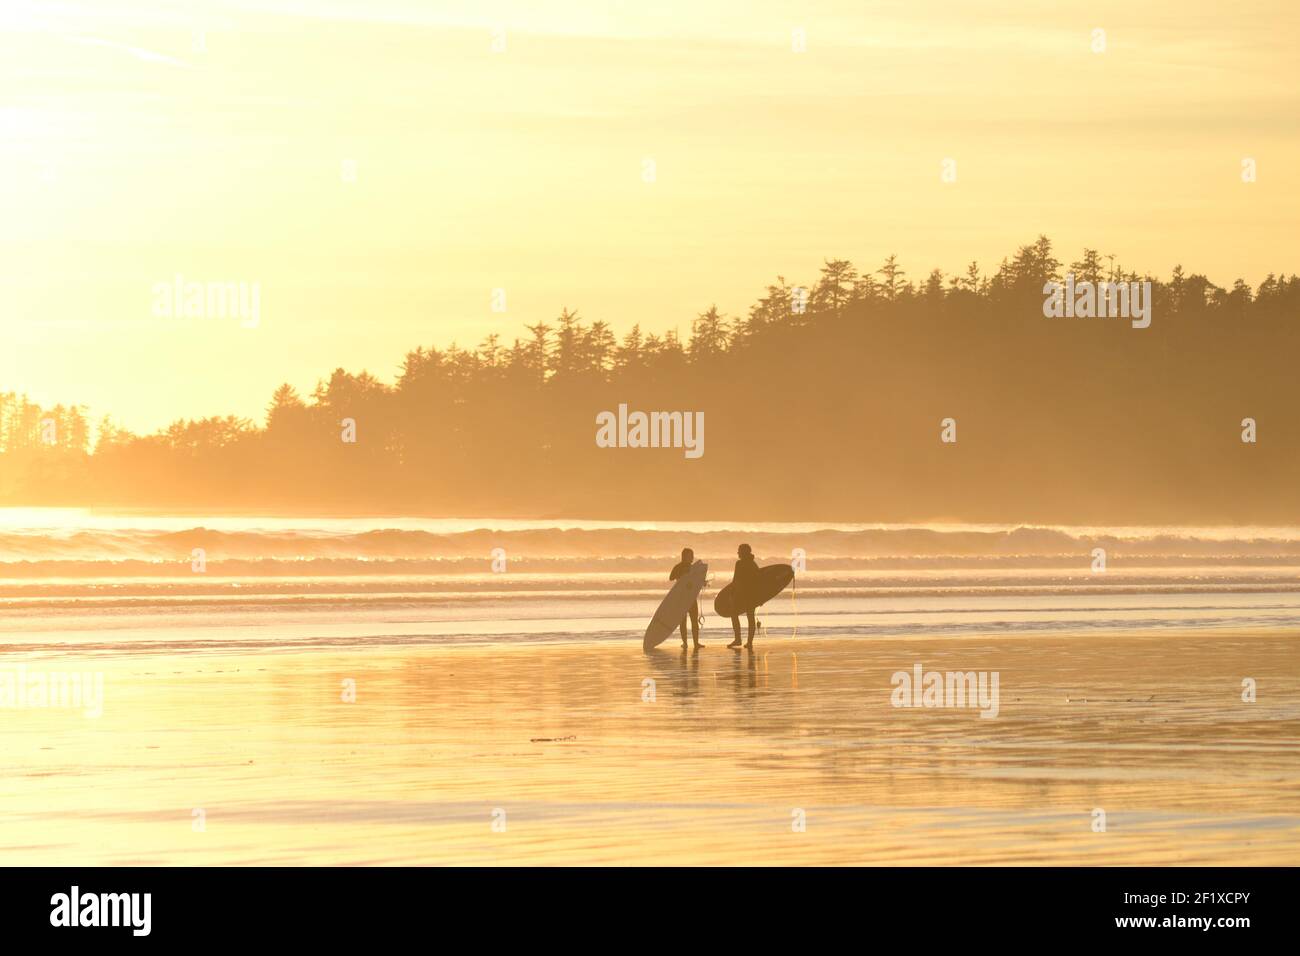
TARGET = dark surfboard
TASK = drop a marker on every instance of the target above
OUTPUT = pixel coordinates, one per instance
(771, 582)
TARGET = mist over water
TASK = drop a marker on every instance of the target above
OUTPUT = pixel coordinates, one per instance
(74, 535)
(117, 581)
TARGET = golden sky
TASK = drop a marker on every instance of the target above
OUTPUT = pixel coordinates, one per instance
(139, 140)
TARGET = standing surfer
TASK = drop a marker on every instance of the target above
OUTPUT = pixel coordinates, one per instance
(679, 570)
(745, 581)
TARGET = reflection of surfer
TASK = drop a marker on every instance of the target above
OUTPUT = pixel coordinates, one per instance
(679, 570)
(745, 581)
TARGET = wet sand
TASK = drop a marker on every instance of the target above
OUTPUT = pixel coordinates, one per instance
(554, 754)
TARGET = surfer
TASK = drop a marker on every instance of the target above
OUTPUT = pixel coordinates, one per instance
(745, 581)
(679, 570)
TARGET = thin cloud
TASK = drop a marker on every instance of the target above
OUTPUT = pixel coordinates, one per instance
(148, 56)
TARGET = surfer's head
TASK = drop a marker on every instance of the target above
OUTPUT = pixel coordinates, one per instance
(688, 555)
(745, 551)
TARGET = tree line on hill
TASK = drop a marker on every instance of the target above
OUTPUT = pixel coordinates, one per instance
(823, 402)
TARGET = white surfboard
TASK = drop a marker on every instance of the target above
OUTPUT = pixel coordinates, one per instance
(676, 603)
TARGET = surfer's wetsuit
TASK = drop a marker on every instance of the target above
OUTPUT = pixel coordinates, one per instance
(679, 570)
(745, 580)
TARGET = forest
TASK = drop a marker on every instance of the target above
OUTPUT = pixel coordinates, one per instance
(823, 404)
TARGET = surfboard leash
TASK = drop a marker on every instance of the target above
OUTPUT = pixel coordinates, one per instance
(794, 606)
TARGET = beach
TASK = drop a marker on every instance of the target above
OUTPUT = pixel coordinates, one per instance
(556, 753)
(383, 381)
(376, 691)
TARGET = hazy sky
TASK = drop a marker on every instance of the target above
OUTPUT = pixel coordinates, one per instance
(139, 140)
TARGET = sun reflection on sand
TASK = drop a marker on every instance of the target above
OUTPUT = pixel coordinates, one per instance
(1149, 727)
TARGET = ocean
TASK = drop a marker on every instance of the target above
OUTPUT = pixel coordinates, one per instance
(113, 581)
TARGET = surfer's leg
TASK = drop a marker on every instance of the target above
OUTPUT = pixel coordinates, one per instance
(750, 619)
(695, 624)
(683, 626)
(735, 626)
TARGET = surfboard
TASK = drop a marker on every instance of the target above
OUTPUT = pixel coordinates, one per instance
(770, 582)
(676, 603)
